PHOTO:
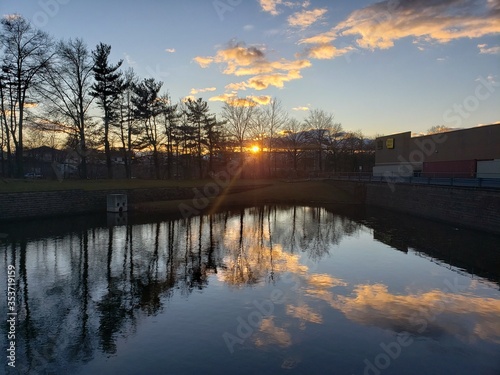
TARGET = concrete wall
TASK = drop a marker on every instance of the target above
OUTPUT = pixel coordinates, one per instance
(473, 208)
(55, 203)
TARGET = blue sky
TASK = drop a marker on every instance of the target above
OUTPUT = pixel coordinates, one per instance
(382, 68)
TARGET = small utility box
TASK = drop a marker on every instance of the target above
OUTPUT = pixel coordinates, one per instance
(117, 203)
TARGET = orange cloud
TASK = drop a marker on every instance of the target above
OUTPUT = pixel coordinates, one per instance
(235, 101)
(306, 18)
(381, 24)
(322, 38)
(239, 60)
(262, 82)
(236, 86)
(188, 98)
(270, 6)
(204, 62)
(327, 51)
(375, 305)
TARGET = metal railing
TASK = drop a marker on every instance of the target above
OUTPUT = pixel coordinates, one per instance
(442, 179)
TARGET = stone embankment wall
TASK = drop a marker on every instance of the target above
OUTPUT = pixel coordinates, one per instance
(66, 202)
(465, 207)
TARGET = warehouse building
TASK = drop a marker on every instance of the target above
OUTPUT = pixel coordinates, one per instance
(464, 153)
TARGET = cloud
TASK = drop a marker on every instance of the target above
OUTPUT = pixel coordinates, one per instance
(189, 97)
(484, 49)
(270, 6)
(248, 27)
(306, 18)
(204, 62)
(301, 109)
(208, 89)
(234, 56)
(239, 86)
(327, 51)
(322, 38)
(379, 25)
(262, 82)
(240, 60)
(170, 50)
(11, 17)
(234, 100)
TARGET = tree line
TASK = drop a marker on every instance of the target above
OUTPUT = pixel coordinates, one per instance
(62, 90)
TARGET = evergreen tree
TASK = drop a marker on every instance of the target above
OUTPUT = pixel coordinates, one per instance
(107, 88)
(197, 112)
(147, 107)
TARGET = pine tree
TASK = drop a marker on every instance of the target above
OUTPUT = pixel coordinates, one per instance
(107, 89)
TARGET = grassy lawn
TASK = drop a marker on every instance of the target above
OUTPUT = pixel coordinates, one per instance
(27, 185)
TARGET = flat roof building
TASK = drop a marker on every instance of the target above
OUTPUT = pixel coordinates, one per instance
(473, 152)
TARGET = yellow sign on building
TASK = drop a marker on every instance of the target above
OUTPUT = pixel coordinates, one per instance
(389, 143)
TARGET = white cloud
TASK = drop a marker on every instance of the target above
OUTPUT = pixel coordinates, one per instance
(304, 108)
(484, 49)
(207, 89)
(170, 50)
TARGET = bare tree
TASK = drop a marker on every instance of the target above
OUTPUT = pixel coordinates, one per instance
(238, 120)
(26, 52)
(439, 129)
(319, 123)
(275, 117)
(294, 141)
(67, 94)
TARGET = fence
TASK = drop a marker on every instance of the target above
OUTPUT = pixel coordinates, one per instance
(429, 179)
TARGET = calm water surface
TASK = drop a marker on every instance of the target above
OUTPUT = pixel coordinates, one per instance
(266, 290)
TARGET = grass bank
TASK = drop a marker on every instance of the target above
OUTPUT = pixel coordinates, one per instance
(28, 185)
(245, 193)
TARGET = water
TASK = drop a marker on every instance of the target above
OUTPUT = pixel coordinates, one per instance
(269, 290)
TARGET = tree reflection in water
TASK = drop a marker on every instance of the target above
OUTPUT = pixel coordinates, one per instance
(80, 290)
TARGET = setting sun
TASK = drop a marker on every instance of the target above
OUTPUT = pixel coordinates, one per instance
(255, 149)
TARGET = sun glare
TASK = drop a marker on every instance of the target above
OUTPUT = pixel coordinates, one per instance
(255, 149)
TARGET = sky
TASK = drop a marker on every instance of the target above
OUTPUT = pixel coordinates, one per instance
(380, 67)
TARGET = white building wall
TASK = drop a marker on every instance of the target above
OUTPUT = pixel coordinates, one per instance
(488, 169)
